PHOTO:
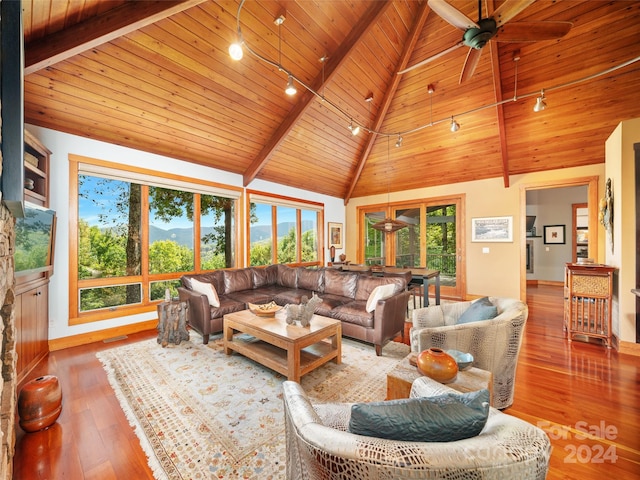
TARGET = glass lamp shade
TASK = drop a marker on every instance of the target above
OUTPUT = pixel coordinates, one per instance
(389, 225)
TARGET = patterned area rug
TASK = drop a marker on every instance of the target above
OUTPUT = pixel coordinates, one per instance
(201, 414)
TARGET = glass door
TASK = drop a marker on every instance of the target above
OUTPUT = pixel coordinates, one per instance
(432, 238)
(374, 241)
(444, 250)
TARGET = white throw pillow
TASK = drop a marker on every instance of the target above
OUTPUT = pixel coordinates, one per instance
(379, 293)
(206, 289)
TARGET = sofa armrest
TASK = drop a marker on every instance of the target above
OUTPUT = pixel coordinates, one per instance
(199, 310)
(389, 318)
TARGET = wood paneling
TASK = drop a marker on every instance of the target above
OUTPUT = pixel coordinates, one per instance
(169, 87)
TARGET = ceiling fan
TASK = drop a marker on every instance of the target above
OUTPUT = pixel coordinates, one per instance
(477, 34)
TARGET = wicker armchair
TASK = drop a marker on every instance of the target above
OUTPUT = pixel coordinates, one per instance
(320, 447)
(494, 344)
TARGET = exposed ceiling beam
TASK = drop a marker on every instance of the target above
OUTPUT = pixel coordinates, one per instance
(96, 31)
(368, 21)
(497, 88)
(409, 46)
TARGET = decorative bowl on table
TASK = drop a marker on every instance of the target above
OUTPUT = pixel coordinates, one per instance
(463, 359)
(264, 310)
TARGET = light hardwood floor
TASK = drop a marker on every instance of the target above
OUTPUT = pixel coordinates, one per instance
(568, 388)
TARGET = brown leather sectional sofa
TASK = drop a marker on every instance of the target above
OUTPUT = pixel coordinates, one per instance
(344, 297)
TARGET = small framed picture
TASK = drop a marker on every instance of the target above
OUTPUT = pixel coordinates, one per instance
(492, 229)
(335, 235)
(554, 234)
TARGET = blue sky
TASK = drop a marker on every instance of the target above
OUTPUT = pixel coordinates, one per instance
(97, 199)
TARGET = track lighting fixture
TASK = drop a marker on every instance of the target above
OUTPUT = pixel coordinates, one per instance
(235, 49)
(291, 88)
(541, 103)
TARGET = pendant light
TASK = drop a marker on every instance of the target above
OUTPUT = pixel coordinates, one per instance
(389, 225)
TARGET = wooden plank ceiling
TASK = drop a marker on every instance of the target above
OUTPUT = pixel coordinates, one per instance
(157, 76)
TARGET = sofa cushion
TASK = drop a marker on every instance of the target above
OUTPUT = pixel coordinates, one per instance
(381, 292)
(481, 309)
(343, 284)
(264, 276)
(329, 304)
(292, 295)
(367, 284)
(238, 280)
(287, 276)
(227, 305)
(311, 279)
(442, 418)
(216, 278)
(205, 289)
(353, 312)
(250, 296)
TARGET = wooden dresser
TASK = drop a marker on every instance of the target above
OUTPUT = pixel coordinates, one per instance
(588, 289)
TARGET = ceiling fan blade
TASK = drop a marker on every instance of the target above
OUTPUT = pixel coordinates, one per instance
(432, 58)
(470, 64)
(532, 31)
(508, 10)
(452, 15)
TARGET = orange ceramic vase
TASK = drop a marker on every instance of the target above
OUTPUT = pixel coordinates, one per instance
(40, 403)
(437, 364)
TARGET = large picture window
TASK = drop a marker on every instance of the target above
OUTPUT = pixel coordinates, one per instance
(283, 230)
(137, 232)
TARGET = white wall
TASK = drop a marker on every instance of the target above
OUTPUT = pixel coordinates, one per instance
(62, 144)
(553, 207)
(497, 272)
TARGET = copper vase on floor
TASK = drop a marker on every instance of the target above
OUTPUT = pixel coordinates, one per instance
(40, 403)
(437, 364)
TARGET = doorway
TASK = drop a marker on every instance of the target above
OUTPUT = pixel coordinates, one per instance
(543, 251)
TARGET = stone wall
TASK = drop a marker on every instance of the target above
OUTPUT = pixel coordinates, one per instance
(8, 352)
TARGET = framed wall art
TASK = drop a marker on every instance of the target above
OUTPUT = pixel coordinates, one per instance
(554, 234)
(492, 229)
(335, 235)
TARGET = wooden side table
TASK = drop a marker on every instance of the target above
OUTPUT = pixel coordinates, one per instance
(172, 322)
(399, 380)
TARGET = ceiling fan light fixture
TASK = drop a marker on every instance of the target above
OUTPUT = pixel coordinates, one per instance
(291, 88)
(541, 103)
(455, 126)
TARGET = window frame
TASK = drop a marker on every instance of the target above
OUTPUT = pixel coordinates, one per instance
(255, 196)
(79, 165)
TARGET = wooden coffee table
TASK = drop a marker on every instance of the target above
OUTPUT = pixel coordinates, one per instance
(291, 350)
(399, 380)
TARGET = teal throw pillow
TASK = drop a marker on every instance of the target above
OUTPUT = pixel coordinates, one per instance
(442, 418)
(481, 309)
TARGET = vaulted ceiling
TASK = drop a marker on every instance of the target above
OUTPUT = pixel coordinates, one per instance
(157, 76)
